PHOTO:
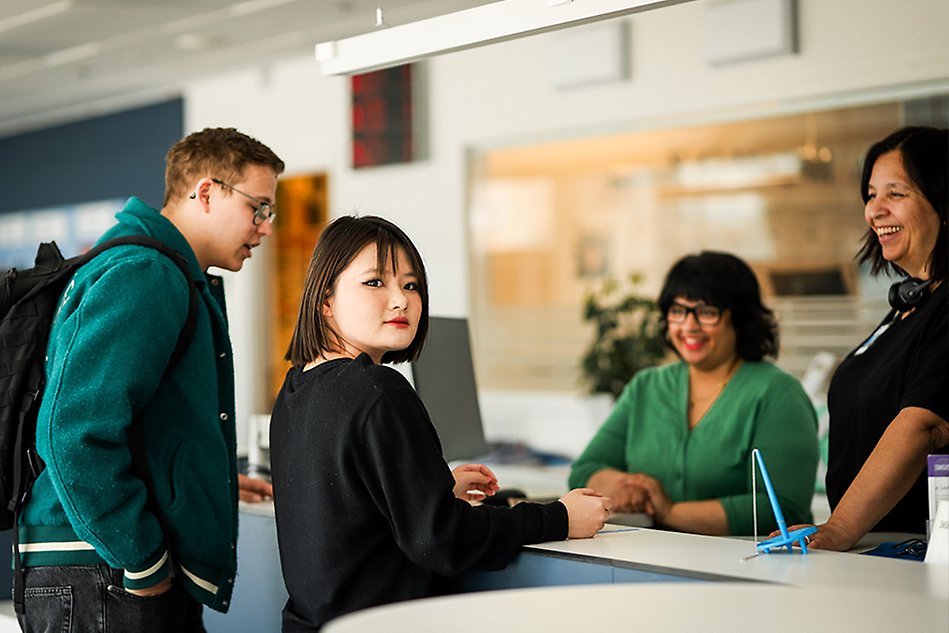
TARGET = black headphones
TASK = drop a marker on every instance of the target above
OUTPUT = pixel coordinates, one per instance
(905, 295)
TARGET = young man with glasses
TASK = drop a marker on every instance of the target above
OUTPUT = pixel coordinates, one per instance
(109, 543)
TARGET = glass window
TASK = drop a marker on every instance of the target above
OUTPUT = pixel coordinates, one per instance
(552, 221)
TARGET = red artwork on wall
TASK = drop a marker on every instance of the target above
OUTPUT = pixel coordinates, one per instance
(382, 117)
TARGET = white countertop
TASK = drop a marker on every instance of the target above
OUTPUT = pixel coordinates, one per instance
(657, 608)
(713, 557)
(820, 591)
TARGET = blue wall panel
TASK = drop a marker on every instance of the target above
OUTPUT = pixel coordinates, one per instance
(118, 155)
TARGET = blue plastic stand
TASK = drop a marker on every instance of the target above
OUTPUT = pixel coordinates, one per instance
(785, 539)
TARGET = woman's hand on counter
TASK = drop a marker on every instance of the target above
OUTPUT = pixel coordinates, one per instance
(830, 536)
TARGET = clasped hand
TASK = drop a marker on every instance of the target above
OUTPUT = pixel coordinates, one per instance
(632, 492)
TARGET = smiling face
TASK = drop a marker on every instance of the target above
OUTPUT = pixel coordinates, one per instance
(374, 311)
(233, 234)
(705, 347)
(905, 223)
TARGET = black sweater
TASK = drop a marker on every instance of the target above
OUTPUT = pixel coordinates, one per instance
(364, 503)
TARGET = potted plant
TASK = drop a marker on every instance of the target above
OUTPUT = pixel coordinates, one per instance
(626, 335)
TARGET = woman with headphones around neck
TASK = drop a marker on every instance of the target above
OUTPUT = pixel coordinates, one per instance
(889, 398)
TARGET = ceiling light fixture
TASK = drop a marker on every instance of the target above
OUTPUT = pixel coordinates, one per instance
(485, 24)
(34, 15)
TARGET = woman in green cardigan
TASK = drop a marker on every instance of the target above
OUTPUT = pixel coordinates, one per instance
(678, 443)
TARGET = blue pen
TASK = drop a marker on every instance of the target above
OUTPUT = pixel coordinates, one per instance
(786, 539)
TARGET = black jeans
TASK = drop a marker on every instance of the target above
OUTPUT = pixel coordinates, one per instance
(90, 599)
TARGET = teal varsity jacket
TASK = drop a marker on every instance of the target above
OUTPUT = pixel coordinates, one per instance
(117, 324)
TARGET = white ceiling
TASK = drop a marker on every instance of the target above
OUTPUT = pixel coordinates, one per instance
(61, 60)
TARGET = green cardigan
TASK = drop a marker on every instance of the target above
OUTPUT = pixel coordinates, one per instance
(761, 407)
(111, 340)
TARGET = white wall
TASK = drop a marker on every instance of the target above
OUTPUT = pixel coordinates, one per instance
(851, 51)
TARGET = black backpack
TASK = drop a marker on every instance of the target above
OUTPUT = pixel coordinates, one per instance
(28, 301)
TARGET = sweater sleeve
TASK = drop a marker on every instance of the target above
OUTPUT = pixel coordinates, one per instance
(411, 484)
(607, 449)
(785, 431)
(107, 353)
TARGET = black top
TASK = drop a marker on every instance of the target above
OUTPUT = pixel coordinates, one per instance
(364, 503)
(906, 366)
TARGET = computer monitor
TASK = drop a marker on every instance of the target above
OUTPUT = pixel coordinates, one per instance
(445, 381)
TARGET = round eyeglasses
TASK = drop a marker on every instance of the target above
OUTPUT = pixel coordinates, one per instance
(703, 313)
(263, 211)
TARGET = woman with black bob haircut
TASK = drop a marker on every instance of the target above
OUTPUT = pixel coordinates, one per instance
(889, 398)
(312, 334)
(720, 400)
(367, 510)
(724, 281)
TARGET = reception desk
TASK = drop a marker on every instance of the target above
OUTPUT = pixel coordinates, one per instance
(692, 582)
(664, 581)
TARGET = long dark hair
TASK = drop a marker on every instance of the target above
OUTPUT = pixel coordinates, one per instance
(340, 242)
(724, 281)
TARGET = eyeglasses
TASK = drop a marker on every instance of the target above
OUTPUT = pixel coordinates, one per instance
(703, 313)
(263, 211)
